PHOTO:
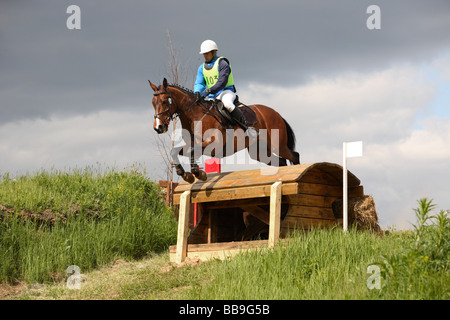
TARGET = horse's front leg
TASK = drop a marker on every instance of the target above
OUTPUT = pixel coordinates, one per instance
(195, 169)
(187, 176)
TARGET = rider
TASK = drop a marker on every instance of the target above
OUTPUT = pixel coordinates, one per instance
(215, 80)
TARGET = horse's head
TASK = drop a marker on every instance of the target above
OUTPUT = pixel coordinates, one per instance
(164, 107)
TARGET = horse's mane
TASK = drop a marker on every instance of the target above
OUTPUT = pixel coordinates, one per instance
(185, 90)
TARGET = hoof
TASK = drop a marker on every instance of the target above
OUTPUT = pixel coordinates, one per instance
(202, 175)
(188, 177)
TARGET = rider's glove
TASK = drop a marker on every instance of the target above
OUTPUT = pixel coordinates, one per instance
(205, 93)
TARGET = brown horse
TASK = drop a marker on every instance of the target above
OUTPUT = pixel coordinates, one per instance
(205, 130)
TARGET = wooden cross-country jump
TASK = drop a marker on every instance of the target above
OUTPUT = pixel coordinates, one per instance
(235, 207)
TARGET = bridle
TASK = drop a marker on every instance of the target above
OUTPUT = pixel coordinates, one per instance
(170, 116)
(177, 113)
(171, 101)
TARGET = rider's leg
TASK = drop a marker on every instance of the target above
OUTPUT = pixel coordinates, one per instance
(227, 97)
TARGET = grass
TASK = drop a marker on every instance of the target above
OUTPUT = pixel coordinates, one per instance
(421, 269)
(114, 226)
(322, 264)
(145, 279)
(52, 220)
(325, 264)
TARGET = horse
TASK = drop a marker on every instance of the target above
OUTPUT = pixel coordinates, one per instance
(171, 101)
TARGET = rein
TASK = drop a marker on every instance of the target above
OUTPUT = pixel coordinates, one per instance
(171, 117)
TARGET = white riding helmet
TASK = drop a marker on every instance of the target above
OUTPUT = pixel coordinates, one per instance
(207, 46)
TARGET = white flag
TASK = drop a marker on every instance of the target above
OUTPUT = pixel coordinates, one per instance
(354, 149)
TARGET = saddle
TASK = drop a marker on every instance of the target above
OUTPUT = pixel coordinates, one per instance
(226, 118)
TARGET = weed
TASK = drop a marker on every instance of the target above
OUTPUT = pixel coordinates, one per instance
(421, 269)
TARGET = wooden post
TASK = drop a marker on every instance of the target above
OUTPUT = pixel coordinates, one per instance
(275, 211)
(344, 188)
(183, 226)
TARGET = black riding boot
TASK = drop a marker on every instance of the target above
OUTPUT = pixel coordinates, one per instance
(237, 115)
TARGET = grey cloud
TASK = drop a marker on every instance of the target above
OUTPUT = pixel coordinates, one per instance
(49, 69)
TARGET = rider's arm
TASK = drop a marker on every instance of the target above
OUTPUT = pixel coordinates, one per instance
(200, 83)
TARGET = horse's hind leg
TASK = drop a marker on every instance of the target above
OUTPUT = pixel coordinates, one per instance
(281, 148)
(296, 157)
(288, 154)
(279, 162)
(273, 154)
(267, 156)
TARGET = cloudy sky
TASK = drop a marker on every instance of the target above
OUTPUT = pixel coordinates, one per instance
(77, 98)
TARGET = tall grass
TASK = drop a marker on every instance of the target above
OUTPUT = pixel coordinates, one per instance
(319, 264)
(331, 264)
(422, 269)
(51, 220)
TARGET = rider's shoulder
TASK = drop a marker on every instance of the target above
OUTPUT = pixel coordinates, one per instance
(223, 59)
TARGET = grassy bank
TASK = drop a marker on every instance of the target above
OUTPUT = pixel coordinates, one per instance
(325, 264)
(331, 264)
(115, 228)
(52, 220)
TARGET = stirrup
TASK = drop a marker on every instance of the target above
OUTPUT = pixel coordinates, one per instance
(252, 132)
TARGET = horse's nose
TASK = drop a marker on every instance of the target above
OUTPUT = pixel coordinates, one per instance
(158, 126)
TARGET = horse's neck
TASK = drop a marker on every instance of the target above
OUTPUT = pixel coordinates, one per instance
(185, 110)
(187, 123)
(189, 112)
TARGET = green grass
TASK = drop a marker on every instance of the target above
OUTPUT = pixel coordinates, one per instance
(331, 264)
(52, 220)
(322, 264)
(421, 269)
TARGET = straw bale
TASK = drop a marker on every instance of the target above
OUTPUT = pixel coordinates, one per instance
(361, 213)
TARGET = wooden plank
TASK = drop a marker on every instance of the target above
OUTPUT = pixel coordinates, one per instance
(354, 192)
(319, 189)
(247, 177)
(183, 226)
(310, 212)
(238, 203)
(241, 203)
(237, 193)
(311, 200)
(337, 171)
(222, 246)
(211, 227)
(298, 223)
(330, 172)
(316, 175)
(219, 250)
(275, 212)
(258, 212)
(315, 200)
(327, 190)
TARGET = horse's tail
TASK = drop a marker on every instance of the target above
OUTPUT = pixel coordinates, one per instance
(291, 136)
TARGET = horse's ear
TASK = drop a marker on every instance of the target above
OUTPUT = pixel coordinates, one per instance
(155, 88)
(165, 83)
